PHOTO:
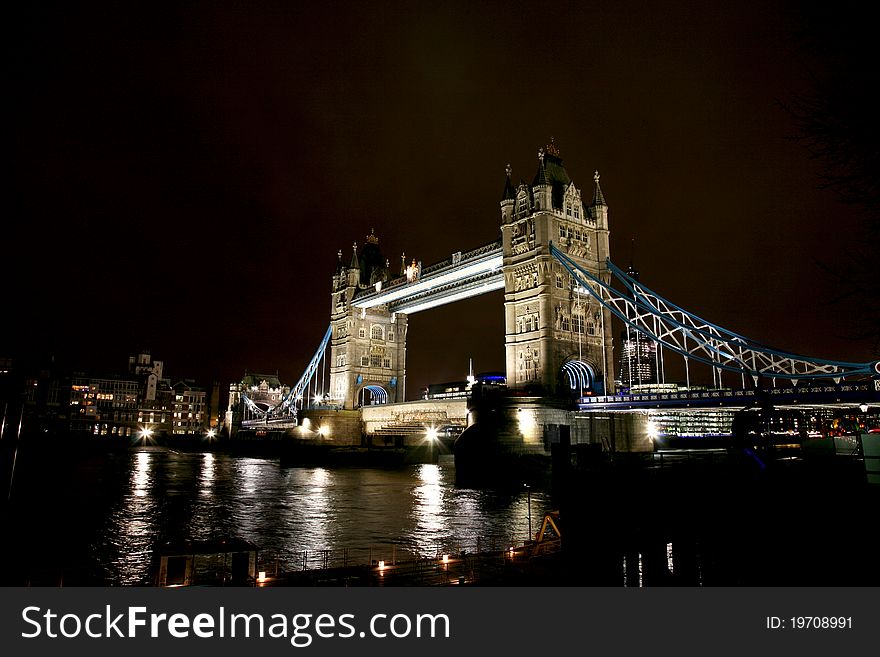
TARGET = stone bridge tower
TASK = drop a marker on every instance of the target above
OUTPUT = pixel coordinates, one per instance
(558, 339)
(368, 346)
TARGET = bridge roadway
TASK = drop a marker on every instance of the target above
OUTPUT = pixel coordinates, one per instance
(626, 420)
(845, 395)
(461, 276)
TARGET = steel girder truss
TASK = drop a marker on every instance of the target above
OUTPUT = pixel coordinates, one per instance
(287, 406)
(696, 339)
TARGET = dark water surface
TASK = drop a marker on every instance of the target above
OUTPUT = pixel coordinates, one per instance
(97, 517)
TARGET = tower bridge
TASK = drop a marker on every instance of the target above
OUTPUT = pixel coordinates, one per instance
(561, 293)
(555, 339)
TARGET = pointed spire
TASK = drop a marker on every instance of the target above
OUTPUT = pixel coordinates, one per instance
(403, 264)
(354, 256)
(598, 196)
(541, 176)
(509, 193)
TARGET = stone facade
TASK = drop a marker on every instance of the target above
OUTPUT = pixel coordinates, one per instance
(549, 321)
(368, 346)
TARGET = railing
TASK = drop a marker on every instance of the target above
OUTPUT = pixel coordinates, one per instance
(449, 561)
(724, 393)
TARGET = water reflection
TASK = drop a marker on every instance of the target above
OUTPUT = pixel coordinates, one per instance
(207, 475)
(431, 524)
(133, 525)
(141, 475)
(318, 505)
(292, 512)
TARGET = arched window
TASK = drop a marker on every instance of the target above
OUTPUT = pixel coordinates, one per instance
(377, 332)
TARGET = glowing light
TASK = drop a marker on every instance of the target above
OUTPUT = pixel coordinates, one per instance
(324, 430)
(496, 283)
(306, 423)
(455, 274)
(432, 434)
(378, 394)
(261, 577)
(381, 565)
(445, 558)
(526, 420)
(211, 433)
(579, 375)
(653, 430)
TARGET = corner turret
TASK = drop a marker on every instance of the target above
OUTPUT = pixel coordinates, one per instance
(508, 198)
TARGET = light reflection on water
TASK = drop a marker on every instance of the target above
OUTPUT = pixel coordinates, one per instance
(132, 520)
(286, 511)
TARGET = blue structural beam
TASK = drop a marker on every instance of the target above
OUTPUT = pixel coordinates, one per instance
(287, 405)
(695, 338)
(296, 392)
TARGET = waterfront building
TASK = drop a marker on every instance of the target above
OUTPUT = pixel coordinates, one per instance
(189, 409)
(156, 414)
(104, 405)
(150, 370)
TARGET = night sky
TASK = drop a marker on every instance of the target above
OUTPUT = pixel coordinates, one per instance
(182, 178)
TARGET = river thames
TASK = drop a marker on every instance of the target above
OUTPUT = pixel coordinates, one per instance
(97, 518)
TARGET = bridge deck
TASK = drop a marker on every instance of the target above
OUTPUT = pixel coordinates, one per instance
(459, 277)
(846, 395)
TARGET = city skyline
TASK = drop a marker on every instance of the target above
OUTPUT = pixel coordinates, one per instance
(184, 181)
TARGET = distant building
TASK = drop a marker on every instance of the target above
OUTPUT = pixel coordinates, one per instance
(264, 390)
(638, 355)
(156, 414)
(104, 405)
(214, 405)
(189, 409)
(456, 389)
(151, 371)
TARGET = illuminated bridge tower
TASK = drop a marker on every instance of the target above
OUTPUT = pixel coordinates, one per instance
(557, 338)
(368, 345)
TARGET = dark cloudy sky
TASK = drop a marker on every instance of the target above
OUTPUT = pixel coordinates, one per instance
(182, 178)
